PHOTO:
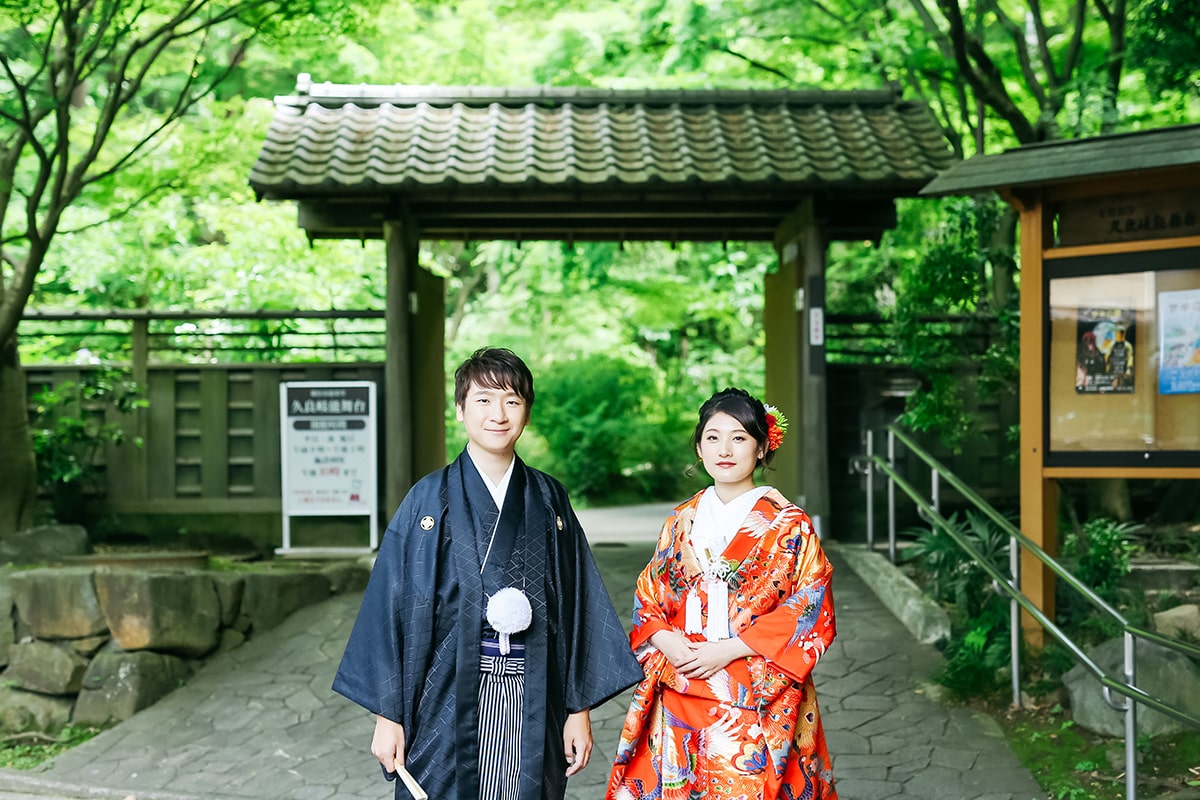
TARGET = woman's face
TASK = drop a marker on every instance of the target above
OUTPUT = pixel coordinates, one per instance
(729, 453)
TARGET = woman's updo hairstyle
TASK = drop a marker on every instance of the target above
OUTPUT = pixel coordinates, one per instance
(748, 410)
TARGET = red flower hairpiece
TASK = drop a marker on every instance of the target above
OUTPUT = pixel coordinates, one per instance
(777, 426)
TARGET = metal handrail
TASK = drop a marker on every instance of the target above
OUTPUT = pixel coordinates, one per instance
(1010, 585)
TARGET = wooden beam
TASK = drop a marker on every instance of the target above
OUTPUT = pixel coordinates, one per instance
(1158, 473)
(401, 246)
(1038, 494)
(429, 373)
(795, 376)
(1143, 246)
(691, 219)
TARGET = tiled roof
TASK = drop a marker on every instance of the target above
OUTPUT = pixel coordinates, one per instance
(347, 138)
(597, 163)
(1069, 160)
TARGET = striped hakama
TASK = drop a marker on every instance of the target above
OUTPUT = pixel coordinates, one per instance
(501, 691)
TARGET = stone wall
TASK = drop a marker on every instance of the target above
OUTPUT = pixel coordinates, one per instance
(92, 645)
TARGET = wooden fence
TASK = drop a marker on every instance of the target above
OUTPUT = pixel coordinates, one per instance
(211, 431)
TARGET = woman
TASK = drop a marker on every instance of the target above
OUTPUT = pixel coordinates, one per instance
(730, 616)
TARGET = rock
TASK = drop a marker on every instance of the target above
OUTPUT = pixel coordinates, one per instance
(46, 668)
(347, 576)
(1162, 574)
(925, 619)
(1161, 672)
(230, 587)
(59, 603)
(117, 685)
(167, 611)
(231, 639)
(44, 544)
(88, 646)
(22, 711)
(8, 630)
(272, 596)
(1179, 622)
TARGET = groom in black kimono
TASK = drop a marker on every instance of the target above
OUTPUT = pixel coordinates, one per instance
(478, 698)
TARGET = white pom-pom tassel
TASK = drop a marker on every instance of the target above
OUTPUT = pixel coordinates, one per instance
(508, 612)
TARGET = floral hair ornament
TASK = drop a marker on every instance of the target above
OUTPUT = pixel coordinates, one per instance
(777, 426)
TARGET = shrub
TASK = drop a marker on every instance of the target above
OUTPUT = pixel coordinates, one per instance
(70, 428)
(952, 575)
(977, 654)
(610, 434)
(1099, 554)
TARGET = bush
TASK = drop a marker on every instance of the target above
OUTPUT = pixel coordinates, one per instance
(952, 575)
(977, 655)
(70, 430)
(1098, 555)
(610, 434)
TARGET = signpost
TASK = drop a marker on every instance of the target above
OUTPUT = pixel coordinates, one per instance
(328, 456)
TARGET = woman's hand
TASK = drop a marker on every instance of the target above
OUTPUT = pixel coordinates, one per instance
(388, 743)
(674, 645)
(709, 658)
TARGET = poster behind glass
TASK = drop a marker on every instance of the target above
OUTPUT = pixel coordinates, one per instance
(1124, 361)
(1179, 342)
(1104, 362)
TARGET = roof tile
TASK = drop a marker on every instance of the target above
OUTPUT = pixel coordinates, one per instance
(345, 138)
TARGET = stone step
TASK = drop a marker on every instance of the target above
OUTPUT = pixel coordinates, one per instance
(1164, 575)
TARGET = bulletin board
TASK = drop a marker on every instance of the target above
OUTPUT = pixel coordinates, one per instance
(328, 457)
(1122, 364)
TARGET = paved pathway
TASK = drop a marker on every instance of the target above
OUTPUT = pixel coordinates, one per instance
(261, 722)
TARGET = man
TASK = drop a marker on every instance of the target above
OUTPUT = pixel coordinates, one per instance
(477, 698)
(1120, 361)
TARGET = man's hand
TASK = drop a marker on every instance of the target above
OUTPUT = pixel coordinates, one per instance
(388, 743)
(577, 740)
(709, 658)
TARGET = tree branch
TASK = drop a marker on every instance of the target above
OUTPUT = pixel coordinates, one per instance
(1078, 20)
(1043, 45)
(979, 70)
(723, 48)
(1017, 34)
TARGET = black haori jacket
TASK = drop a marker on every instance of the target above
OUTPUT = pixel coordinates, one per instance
(413, 654)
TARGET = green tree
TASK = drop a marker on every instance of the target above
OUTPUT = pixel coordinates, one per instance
(87, 92)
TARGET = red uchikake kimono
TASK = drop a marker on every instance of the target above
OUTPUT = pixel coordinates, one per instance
(753, 730)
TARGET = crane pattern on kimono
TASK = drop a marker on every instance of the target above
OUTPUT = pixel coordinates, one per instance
(808, 601)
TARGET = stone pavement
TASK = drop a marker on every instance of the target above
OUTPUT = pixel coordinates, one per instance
(261, 722)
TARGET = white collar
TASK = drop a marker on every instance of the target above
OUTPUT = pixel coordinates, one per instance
(498, 490)
(717, 522)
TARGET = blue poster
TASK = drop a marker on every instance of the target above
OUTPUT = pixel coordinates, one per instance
(1179, 342)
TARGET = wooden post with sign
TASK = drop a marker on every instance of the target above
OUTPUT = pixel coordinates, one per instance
(1110, 315)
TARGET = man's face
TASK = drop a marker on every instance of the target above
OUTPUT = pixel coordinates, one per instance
(494, 418)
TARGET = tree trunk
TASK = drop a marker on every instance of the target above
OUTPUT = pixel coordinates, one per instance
(18, 472)
(1109, 497)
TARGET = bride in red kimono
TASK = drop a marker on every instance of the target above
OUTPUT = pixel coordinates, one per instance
(730, 617)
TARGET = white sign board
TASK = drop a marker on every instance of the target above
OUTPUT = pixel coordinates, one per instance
(328, 453)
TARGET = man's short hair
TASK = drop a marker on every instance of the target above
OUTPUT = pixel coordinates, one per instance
(496, 368)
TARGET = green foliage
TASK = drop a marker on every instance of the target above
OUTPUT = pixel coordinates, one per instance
(953, 575)
(1099, 554)
(977, 661)
(962, 269)
(26, 751)
(70, 429)
(1165, 44)
(608, 435)
(175, 225)
(977, 654)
